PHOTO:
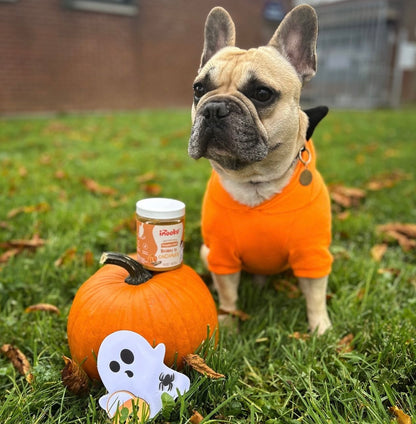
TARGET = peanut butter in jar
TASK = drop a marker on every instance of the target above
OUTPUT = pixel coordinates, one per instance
(160, 233)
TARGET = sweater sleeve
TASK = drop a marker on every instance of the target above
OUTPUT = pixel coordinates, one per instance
(310, 256)
(218, 235)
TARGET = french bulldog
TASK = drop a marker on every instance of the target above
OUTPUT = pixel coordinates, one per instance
(266, 207)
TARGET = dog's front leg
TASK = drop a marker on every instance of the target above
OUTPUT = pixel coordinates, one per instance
(226, 286)
(314, 290)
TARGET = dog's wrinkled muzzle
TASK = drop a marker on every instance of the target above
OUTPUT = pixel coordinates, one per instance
(224, 131)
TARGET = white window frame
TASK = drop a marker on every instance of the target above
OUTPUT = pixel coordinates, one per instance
(104, 6)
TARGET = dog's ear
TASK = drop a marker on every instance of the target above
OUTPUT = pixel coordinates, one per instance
(315, 116)
(295, 39)
(219, 33)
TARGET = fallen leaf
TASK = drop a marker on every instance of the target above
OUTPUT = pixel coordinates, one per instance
(346, 197)
(15, 247)
(146, 178)
(198, 364)
(151, 188)
(56, 127)
(391, 271)
(94, 187)
(409, 230)
(4, 257)
(237, 314)
(46, 307)
(291, 290)
(361, 294)
(404, 234)
(196, 417)
(89, 258)
(402, 418)
(387, 180)
(378, 251)
(19, 361)
(60, 174)
(40, 207)
(299, 336)
(23, 172)
(32, 243)
(66, 257)
(74, 377)
(345, 344)
(45, 159)
(343, 216)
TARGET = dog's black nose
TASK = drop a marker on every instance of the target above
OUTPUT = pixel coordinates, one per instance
(216, 110)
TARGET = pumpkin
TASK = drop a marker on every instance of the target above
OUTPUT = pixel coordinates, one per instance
(173, 307)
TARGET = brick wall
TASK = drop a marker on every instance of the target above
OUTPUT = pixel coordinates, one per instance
(58, 59)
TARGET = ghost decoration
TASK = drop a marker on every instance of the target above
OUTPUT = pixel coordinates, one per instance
(133, 371)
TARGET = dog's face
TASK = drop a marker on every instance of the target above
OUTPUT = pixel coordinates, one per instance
(246, 102)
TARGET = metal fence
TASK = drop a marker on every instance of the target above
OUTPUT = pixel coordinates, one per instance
(355, 54)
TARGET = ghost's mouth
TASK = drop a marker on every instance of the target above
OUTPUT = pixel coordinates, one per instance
(129, 373)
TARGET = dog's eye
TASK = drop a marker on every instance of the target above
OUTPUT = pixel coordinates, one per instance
(199, 91)
(263, 94)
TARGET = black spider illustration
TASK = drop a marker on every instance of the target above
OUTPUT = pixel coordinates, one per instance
(166, 381)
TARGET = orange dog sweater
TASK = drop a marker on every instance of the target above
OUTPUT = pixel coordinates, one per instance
(290, 230)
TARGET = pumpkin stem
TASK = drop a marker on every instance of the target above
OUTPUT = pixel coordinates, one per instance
(137, 274)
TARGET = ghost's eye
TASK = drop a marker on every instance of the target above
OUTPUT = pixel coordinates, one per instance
(114, 366)
(127, 356)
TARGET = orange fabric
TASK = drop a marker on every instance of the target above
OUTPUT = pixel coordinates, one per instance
(290, 230)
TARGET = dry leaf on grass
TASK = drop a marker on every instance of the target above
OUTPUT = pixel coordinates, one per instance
(378, 251)
(19, 361)
(404, 234)
(198, 364)
(32, 243)
(285, 286)
(402, 418)
(151, 188)
(387, 180)
(8, 254)
(238, 313)
(299, 336)
(345, 344)
(40, 207)
(89, 258)
(346, 197)
(343, 216)
(74, 377)
(409, 230)
(196, 417)
(94, 187)
(147, 177)
(66, 257)
(391, 271)
(45, 307)
(14, 247)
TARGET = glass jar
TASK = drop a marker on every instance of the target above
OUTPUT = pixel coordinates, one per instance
(160, 233)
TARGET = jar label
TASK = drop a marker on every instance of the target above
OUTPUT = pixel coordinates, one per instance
(160, 246)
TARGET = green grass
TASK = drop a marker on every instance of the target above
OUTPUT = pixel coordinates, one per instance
(270, 376)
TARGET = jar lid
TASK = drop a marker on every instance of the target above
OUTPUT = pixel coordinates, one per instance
(160, 208)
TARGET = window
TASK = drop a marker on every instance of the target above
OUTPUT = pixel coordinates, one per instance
(122, 7)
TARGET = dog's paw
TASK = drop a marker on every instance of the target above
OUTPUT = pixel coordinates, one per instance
(320, 324)
(228, 322)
